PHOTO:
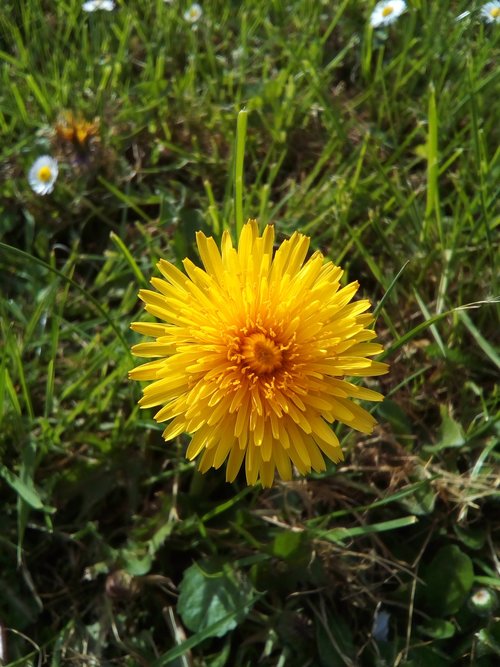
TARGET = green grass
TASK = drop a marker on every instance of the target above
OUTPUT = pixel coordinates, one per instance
(381, 146)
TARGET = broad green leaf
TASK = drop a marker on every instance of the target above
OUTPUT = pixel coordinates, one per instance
(288, 545)
(451, 432)
(449, 579)
(136, 564)
(437, 628)
(473, 538)
(207, 596)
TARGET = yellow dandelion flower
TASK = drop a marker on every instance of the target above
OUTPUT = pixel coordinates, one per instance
(252, 352)
(71, 128)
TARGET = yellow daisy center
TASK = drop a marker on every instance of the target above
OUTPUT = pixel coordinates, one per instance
(261, 354)
(44, 173)
(495, 12)
(387, 11)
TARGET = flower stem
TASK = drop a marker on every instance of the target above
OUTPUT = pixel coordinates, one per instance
(241, 131)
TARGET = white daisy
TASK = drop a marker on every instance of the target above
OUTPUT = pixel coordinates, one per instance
(483, 601)
(93, 5)
(193, 14)
(491, 12)
(386, 12)
(237, 54)
(43, 174)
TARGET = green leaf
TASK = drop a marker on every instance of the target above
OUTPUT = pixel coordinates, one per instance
(27, 472)
(24, 488)
(493, 582)
(334, 640)
(182, 648)
(449, 579)
(473, 538)
(422, 501)
(207, 596)
(437, 628)
(341, 534)
(426, 656)
(432, 155)
(451, 433)
(288, 545)
(487, 348)
(488, 643)
(130, 260)
(136, 564)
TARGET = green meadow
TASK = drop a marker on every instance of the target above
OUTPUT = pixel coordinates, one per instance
(382, 146)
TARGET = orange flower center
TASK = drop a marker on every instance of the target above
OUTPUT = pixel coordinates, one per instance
(387, 11)
(44, 174)
(261, 353)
